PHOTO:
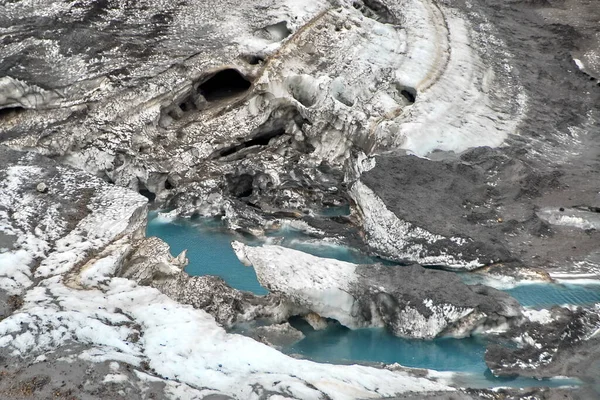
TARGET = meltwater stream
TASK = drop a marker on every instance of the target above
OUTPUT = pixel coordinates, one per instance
(210, 253)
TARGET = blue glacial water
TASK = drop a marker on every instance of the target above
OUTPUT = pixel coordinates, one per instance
(465, 357)
(545, 295)
(338, 344)
(210, 253)
(209, 250)
(548, 295)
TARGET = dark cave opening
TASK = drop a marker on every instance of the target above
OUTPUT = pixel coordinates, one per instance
(241, 185)
(261, 139)
(143, 190)
(187, 106)
(223, 84)
(253, 59)
(409, 94)
(9, 111)
(147, 194)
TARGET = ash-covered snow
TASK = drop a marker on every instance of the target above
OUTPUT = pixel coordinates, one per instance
(571, 217)
(130, 323)
(542, 316)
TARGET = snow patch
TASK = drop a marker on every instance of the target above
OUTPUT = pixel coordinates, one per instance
(572, 217)
(543, 316)
(129, 323)
(115, 378)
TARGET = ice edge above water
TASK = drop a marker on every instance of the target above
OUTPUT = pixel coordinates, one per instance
(476, 377)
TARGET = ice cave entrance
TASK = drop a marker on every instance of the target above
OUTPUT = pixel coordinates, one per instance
(223, 84)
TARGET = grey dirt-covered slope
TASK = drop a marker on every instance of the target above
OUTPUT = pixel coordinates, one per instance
(524, 199)
(460, 135)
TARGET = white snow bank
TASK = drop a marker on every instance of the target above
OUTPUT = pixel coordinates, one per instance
(320, 284)
(40, 224)
(542, 316)
(182, 343)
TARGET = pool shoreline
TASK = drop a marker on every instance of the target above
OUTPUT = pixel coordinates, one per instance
(340, 345)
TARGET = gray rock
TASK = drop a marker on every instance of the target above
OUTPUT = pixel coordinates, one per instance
(278, 336)
(41, 187)
(407, 298)
(552, 348)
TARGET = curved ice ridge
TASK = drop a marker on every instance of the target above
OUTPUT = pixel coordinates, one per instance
(356, 83)
(15, 93)
(400, 240)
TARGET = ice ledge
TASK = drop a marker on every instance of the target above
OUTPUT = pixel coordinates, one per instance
(411, 301)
